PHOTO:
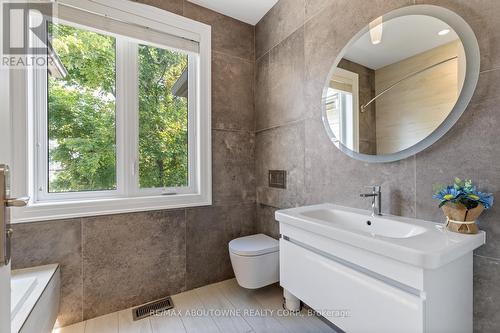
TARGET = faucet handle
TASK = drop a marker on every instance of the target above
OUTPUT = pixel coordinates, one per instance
(375, 188)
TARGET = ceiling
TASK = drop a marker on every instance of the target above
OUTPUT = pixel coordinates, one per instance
(249, 11)
(402, 37)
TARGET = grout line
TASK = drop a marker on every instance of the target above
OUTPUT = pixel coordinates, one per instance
(185, 248)
(219, 286)
(286, 124)
(228, 203)
(306, 20)
(183, 325)
(254, 80)
(118, 321)
(233, 56)
(305, 179)
(150, 325)
(214, 50)
(292, 122)
(281, 41)
(254, 102)
(205, 306)
(487, 257)
(489, 70)
(232, 130)
(196, 296)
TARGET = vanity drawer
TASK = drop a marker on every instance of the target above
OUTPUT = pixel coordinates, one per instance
(327, 286)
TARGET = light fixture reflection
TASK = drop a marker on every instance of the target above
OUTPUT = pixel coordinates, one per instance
(376, 27)
(444, 32)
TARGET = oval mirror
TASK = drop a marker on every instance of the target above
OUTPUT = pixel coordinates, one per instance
(400, 83)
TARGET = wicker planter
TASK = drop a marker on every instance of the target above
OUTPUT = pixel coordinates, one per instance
(460, 219)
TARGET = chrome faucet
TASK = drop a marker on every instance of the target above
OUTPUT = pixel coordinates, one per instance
(376, 196)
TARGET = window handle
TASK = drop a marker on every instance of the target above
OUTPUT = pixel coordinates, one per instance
(17, 202)
(134, 168)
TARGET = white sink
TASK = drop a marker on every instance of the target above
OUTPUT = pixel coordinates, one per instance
(381, 274)
(361, 223)
(413, 241)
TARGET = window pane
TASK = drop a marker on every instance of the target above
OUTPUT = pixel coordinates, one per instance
(81, 110)
(163, 118)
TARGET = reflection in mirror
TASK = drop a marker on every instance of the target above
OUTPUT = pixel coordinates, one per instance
(395, 85)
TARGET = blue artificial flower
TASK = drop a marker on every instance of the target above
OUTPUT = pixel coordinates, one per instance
(465, 193)
(447, 194)
(485, 198)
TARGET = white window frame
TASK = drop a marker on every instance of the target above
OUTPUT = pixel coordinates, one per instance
(351, 78)
(29, 164)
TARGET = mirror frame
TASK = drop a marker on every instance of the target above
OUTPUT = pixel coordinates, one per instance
(471, 49)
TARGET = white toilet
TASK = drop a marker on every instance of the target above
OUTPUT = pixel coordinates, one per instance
(255, 260)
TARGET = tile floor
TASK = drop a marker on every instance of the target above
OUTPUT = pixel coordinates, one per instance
(221, 307)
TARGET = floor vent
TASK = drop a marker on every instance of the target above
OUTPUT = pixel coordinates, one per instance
(151, 308)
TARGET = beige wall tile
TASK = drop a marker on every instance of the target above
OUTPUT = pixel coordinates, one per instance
(174, 6)
(483, 17)
(232, 93)
(229, 36)
(286, 81)
(313, 7)
(262, 92)
(486, 294)
(283, 19)
(266, 222)
(57, 242)
(233, 171)
(332, 176)
(281, 148)
(469, 150)
(209, 230)
(130, 259)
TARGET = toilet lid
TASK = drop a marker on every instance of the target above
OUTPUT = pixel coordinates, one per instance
(253, 245)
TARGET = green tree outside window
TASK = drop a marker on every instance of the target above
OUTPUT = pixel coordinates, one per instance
(82, 121)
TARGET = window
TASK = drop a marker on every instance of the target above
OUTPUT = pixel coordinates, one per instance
(163, 118)
(342, 108)
(81, 113)
(119, 119)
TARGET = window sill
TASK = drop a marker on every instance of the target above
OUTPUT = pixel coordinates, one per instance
(85, 208)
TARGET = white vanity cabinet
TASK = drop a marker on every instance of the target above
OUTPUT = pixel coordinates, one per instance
(352, 300)
(384, 284)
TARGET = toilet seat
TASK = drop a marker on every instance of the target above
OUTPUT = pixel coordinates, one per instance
(254, 245)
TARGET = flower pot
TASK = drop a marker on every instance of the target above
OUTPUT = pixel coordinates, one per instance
(460, 219)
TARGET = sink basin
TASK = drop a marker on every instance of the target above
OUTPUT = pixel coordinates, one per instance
(413, 241)
(360, 223)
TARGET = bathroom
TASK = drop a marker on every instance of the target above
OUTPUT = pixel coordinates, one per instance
(265, 145)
